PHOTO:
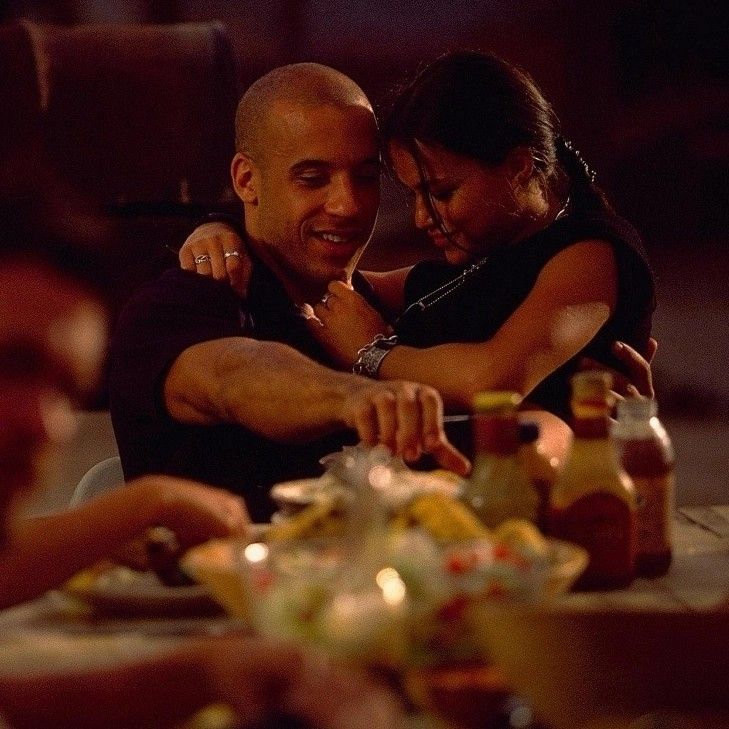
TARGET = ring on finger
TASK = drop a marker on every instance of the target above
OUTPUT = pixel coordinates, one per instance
(325, 298)
(231, 254)
(202, 258)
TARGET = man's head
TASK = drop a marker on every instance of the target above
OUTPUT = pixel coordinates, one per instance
(307, 169)
(52, 338)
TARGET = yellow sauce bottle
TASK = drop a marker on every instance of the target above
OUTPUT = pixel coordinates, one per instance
(498, 488)
(540, 469)
(593, 500)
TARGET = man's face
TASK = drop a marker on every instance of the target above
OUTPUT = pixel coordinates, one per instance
(52, 339)
(317, 189)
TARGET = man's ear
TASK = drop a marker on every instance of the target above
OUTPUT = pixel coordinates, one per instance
(244, 179)
(519, 166)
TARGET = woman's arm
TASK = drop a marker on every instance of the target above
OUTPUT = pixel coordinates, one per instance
(226, 257)
(220, 253)
(572, 298)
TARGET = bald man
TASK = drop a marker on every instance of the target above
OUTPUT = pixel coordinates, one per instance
(232, 390)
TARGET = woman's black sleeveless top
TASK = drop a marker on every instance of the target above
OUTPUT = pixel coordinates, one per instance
(474, 310)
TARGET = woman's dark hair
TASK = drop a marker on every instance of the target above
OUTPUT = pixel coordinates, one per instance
(480, 106)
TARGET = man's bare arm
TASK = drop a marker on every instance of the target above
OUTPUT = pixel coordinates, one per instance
(277, 392)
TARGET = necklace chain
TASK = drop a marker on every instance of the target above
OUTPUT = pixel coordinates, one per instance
(433, 297)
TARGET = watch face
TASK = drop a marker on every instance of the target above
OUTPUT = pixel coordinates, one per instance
(368, 363)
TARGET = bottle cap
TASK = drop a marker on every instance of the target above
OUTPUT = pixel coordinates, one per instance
(591, 384)
(496, 401)
(637, 408)
(591, 392)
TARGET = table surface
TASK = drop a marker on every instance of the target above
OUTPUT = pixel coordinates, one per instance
(697, 580)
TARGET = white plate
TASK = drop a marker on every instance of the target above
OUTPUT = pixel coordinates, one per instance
(123, 592)
(292, 496)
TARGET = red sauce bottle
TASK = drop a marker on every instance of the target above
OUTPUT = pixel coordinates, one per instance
(646, 453)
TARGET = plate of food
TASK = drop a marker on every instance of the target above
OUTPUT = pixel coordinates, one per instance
(292, 497)
(111, 589)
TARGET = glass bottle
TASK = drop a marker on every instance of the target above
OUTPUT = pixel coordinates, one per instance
(646, 453)
(540, 469)
(593, 500)
(498, 488)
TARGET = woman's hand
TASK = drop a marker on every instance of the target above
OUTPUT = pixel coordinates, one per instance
(345, 323)
(220, 254)
(639, 379)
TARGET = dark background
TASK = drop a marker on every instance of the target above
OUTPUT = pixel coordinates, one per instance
(641, 89)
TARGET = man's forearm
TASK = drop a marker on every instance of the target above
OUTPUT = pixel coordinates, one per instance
(266, 386)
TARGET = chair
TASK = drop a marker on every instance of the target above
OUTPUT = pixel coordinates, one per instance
(105, 475)
(136, 118)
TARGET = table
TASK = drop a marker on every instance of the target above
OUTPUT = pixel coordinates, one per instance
(603, 659)
(699, 575)
(698, 580)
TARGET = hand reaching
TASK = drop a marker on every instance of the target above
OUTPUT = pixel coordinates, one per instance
(639, 380)
(404, 416)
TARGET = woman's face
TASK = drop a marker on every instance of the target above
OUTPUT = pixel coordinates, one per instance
(475, 203)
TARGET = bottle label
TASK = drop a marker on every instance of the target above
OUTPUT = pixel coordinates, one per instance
(605, 526)
(655, 496)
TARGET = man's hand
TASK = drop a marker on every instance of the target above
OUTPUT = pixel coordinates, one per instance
(404, 416)
(195, 513)
(224, 257)
(639, 381)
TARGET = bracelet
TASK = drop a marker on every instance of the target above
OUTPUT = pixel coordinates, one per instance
(370, 357)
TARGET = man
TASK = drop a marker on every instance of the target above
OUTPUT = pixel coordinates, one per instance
(51, 343)
(229, 390)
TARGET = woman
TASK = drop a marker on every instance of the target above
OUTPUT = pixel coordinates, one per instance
(538, 272)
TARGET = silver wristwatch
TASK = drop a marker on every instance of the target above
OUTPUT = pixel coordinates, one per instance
(370, 357)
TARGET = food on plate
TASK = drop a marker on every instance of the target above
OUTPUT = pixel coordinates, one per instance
(157, 550)
(215, 564)
(325, 517)
(524, 536)
(443, 517)
(291, 497)
(163, 554)
(113, 590)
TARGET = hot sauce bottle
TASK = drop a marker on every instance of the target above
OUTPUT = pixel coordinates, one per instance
(593, 501)
(646, 453)
(499, 488)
